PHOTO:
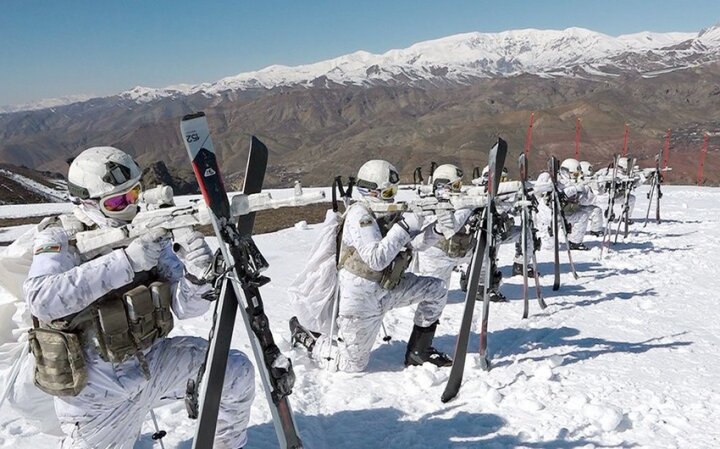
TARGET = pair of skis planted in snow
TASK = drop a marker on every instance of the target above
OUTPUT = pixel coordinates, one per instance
(527, 207)
(484, 242)
(558, 217)
(655, 185)
(244, 262)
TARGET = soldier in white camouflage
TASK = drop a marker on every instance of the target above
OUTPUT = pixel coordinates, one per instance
(100, 326)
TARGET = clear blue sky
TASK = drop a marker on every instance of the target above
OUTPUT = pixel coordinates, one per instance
(52, 48)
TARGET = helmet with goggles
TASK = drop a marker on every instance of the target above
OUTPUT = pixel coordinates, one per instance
(623, 164)
(586, 168)
(504, 177)
(572, 167)
(109, 176)
(448, 176)
(378, 178)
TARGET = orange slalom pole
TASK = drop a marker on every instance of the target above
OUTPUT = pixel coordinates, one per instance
(703, 153)
(528, 138)
(624, 153)
(577, 139)
(666, 151)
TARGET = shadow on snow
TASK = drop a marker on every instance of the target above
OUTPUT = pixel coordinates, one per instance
(389, 428)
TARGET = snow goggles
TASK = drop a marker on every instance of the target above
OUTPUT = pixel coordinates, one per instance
(120, 201)
(454, 185)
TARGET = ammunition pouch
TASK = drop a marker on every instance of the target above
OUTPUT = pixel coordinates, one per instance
(457, 246)
(127, 325)
(392, 275)
(59, 361)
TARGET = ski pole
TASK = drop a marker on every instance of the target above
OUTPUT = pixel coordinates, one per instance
(336, 307)
(386, 337)
(523, 243)
(650, 198)
(159, 434)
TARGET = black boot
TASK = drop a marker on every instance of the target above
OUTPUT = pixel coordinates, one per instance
(578, 246)
(420, 350)
(494, 294)
(463, 281)
(518, 270)
(299, 335)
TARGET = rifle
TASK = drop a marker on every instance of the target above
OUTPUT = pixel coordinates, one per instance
(181, 219)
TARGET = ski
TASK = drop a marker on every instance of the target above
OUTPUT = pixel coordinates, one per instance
(527, 207)
(625, 210)
(472, 281)
(653, 186)
(496, 163)
(658, 174)
(552, 169)
(244, 260)
(609, 212)
(213, 374)
(559, 214)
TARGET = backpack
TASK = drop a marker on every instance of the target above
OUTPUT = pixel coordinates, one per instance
(313, 291)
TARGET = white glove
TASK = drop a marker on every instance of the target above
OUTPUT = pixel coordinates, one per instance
(412, 223)
(445, 223)
(144, 252)
(570, 191)
(194, 252)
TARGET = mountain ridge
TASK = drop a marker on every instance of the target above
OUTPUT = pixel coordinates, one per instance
(460, 58)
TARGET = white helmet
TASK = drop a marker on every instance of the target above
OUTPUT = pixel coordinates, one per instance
(586, 168)
(109, 176)
(448, 174)
(571, 165)
(380, 177)
(623, 164)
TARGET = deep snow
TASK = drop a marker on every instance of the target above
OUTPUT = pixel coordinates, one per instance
(625, 357)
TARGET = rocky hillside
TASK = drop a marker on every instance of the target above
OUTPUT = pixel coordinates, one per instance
(21, 185)
(444, 100)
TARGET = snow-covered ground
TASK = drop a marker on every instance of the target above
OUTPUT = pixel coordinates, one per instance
(627, 356)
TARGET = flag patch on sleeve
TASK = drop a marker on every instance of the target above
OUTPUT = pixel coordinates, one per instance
(50, 248)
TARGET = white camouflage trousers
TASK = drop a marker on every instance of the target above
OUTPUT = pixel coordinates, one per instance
(578, 221)
(110, 411)
(363, 304)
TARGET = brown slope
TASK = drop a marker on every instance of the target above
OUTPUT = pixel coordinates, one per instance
(316, 133)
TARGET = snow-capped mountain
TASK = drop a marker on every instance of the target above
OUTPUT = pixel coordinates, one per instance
(463, 57)
(46, 103)
(574, 52)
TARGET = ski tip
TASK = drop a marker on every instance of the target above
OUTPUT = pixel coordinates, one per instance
(193, 115)
(257, 145)
(448, 396)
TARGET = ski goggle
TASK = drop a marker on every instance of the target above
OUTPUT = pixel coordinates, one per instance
(445, 183)
(120, 201)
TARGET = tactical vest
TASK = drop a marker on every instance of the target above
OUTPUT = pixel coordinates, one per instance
(391, 275)
(119, 325)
